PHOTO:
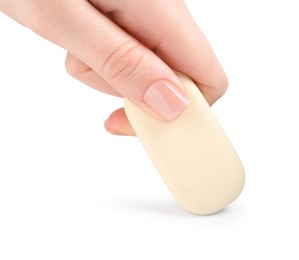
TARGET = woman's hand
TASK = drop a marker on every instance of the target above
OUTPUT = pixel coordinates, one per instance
(126, 48)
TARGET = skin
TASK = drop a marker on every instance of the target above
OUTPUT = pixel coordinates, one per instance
(121, 47)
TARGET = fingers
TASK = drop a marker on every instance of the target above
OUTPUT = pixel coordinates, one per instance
(183, 47)
(120, 64)
(127, 66)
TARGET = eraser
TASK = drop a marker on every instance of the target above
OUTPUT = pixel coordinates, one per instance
(192, 154)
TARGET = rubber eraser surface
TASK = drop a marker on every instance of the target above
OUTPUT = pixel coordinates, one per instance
(192, 154)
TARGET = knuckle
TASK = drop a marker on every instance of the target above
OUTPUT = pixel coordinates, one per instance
(122, 63)
(74, 66)
(71, 67)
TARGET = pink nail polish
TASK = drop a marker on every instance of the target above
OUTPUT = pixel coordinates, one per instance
(164, 99)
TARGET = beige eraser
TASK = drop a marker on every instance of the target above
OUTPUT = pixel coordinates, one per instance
(192, 154)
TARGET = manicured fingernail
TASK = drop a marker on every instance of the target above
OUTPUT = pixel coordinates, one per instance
(164, 99)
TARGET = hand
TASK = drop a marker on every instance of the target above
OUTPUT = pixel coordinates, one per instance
(121, 47)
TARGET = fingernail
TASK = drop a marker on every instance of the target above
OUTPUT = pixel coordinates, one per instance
(164, 99)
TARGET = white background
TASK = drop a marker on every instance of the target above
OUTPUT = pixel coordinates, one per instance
(69, 190)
